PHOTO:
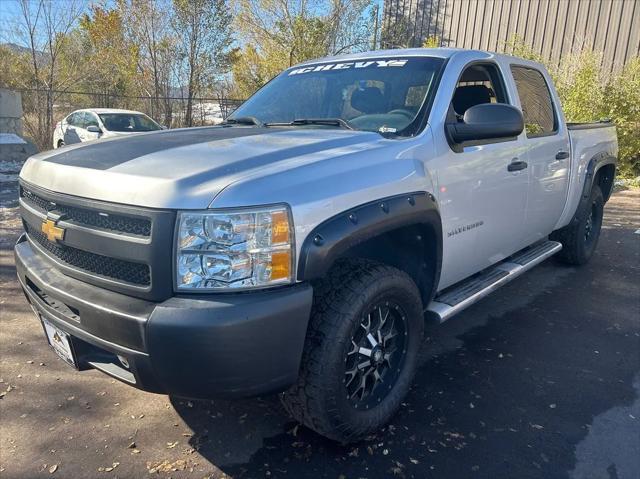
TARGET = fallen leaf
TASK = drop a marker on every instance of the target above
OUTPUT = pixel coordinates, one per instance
(113, 466)
(166, 466)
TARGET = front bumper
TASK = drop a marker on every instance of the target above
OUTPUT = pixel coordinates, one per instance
(205, 346)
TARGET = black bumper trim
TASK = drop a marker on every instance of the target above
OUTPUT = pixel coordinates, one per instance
(219, 345)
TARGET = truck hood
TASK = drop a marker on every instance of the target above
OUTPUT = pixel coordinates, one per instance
(187, 168)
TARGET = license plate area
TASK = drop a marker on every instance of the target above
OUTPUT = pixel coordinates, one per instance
(60, 342)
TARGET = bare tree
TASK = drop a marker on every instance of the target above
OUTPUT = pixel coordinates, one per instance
(281, 33)
(45, 29)
(203, 31)
(148, 22)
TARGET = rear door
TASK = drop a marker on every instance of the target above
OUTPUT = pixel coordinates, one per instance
(72, 129)
(547, 151)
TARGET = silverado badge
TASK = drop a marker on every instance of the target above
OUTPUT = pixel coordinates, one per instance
(51, 231)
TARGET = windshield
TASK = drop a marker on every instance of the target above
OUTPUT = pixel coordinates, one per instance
(128, 122)
(383, 95)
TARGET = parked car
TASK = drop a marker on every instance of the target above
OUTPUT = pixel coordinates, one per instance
(300, 247)
(91, 124)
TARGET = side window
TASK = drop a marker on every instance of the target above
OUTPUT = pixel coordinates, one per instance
(90, 120)
(535, 98)
(73, 119)
(79, 119)
(479, 83)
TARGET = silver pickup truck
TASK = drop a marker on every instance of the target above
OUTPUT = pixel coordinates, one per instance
(300, 247)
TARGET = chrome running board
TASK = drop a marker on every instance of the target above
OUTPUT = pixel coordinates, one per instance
(462, 295)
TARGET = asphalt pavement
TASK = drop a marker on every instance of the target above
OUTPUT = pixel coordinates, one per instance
(539, 380)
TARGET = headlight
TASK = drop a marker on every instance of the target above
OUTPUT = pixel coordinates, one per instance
(235, 249)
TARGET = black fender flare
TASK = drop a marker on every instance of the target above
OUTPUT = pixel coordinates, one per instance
(333, 237)
(595, 164)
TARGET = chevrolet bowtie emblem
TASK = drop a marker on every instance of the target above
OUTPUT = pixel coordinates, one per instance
(51, 231)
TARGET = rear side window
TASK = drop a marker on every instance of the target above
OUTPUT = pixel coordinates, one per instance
(535, 98)
(75, 119)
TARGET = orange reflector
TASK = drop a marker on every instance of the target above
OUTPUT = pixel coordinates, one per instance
(280, 265)
(279, 227)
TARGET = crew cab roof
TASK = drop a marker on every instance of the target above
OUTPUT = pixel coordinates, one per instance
(445, 53)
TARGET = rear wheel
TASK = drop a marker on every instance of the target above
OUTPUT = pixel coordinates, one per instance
(360, 353)
(60, 143)
(580, 238)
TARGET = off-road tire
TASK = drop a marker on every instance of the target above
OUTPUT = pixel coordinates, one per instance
(319, 399)
(577, 246)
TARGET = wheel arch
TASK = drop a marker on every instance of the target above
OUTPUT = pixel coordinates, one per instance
(601, 171)
(403, 231)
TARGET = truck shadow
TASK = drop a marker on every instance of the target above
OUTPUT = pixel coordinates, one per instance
(501, 391)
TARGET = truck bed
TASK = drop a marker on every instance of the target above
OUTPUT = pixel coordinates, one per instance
(587, 140)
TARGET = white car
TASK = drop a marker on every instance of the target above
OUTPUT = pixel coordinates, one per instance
(94, 123)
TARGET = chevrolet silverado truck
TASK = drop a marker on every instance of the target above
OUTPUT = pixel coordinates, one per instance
(300, 247)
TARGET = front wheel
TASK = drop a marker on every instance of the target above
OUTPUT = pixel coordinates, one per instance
(360, 353)
(580, 238)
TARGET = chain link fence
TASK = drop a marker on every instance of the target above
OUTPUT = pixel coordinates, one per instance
(44, 108)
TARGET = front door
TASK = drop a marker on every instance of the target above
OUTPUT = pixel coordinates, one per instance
(90, 119)
(482, 199)
(547, 153)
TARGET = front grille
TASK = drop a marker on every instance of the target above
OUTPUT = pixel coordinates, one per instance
(89, 217)
(112, 268)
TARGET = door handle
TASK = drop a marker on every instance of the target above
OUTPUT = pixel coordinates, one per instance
(562, 155)
(517, 165)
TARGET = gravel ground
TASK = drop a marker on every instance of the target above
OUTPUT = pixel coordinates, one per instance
(540, 380)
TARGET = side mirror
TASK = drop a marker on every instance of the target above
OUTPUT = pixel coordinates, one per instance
(487, 121)
(164, 127)
(94, 129)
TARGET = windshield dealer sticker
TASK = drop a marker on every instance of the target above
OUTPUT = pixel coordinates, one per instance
(348, 65)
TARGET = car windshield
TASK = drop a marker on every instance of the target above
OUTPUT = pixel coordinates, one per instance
(384, 95)
(128, 122)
